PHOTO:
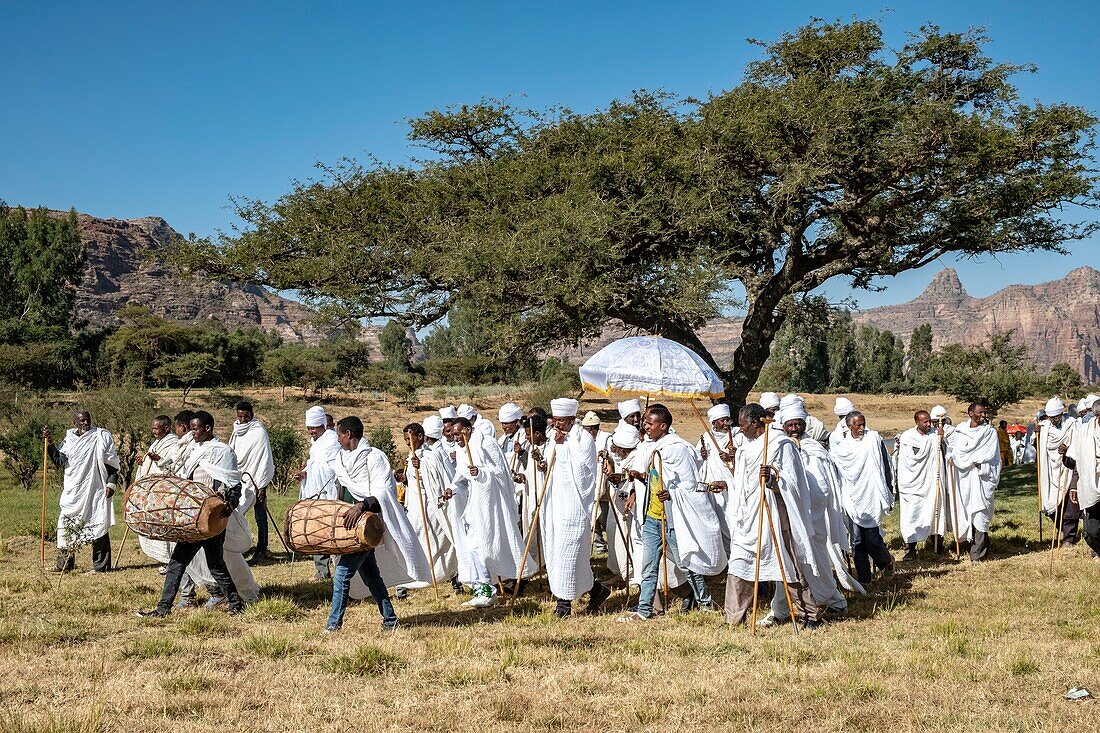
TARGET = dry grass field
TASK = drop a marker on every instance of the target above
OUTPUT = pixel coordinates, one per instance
(944, 645)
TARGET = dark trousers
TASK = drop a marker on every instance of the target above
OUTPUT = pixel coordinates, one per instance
(101, 556)
(182, 556)
(1070, 519)
(1092, 528)
(260, 508)
(980, 546)
(867, 545)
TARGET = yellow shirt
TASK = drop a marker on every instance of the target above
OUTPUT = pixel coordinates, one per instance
(656, 508)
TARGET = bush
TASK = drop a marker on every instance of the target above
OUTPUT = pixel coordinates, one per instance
(21, 441)
(382, 438)
(126, 412)
(288, 450)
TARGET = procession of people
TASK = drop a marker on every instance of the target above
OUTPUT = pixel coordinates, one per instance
(789, 514)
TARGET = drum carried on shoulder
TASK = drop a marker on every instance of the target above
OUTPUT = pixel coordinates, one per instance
(173, 509)
(316, 527)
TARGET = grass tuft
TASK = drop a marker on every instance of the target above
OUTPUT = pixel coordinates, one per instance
(269, 645)
(274, 609)
(177, 683)
(366, 661)
(207, 625)
(152, 648)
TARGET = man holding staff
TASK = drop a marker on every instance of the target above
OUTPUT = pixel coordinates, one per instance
(975, 455)
(252, 447)
(1054, 477)
(922, 486)
(426, 477)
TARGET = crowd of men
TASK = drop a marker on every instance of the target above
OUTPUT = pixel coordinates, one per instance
(768, 494)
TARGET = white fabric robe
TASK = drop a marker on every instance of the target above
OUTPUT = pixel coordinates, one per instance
(365, 472)
(975, 454)
(715, 469)
(1054, 477)
(435, 472)
(565, 520)
(320, 480)
(483, 513)
(866, 497)
(922, 486)
(84, 502)
(514, 447)
(252, 447)
(816, 430)
(744, 508)
(166, 447)
(692, 512)
(485, 427)
(831, 537)
(1085, 450)
(217, 461)
(527, 496)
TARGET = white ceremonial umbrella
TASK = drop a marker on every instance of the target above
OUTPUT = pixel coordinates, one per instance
(651, 366)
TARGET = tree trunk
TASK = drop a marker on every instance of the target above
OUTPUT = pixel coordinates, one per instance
(761, 324)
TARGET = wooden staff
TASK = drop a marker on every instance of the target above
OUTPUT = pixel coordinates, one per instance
(601, 484)
(1039, 473)
(664, 542)
(765, 508)
(466, 444)
(782, 570)
(534, 527)
(122, 546)
(42, 533)
(424, 515)
(1060, 517)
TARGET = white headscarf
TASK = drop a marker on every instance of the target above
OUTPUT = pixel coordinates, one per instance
(1055, 407)
(509, 412)
(315, 417)
(625, 437)
(564, 407)
(843, 406)
(629, 407)
(769, 400)
(718, 412)
(433, 426)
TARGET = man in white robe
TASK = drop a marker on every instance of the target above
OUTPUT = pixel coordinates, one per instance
(786, 491)
(157, 461)
(922, 486)
(624, 546)
(364, 478)
(630, 413)
(975, 457)
(1055, 437)
(565, 518)
(679, 503)
(481, 502)
(513, 436)
(815, 429)
(448, 415)
(479, 424)
(530, 483)
(427, 475)
(252, 447)
(841, 409)
(1083, 457)
(209, 462)
(317, 480)
(591, 425)
(90, 464)
(867, 494)
(718, 459)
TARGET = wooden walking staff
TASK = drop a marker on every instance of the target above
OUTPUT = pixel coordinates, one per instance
(423, 514)
(941, 462)
(1039, 473)
(766, 508)
(534, 527)
(42, 533)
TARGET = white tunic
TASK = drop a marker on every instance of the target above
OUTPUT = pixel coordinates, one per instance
(483, 513)
(365, 472)
(515, 448)
(866, 497)
(166, 447)
(86, 512)
(744, 508)
(252, 447)
(922, 486)
(1085, 450)
(435, 474)
(320, 480)
(565, 519)
(1054, 477)
(715, 469)
(975, 454)
(527, 496)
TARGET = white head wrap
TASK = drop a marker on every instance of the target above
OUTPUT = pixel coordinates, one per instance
(794, 411)
(625, 436)
(1089, 401)
(938, 412)
(1055, 407)
(448, 413)
(718, 412)
(564, 407)
(843, 406)
(315, 417)
(791, 399)
(769, 400)
(433, 426)
(590, 419)
(466, 411)
(509, 412)
(629, 407)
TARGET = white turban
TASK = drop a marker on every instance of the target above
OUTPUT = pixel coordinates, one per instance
(843, 406)
(590, 419)
(629, 407)
(466, 411)
(791, 399)
(509, 412)
(718, 412)
(433, 426)
(315, 417)
(769, 400)
(1055, 407)
(447, 413)
(625, 436)
(793, 411)
(564, 407)
(1089, 401)
(938, 412)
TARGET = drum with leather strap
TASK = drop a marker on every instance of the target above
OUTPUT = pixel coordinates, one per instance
(316, 527)
(173, 509)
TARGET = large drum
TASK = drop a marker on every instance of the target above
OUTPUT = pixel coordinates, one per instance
(316, 527)
(173, 509)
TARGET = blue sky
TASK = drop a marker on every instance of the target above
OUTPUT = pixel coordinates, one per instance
(133, 109)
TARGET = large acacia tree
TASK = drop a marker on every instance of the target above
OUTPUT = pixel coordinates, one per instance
(834, 157)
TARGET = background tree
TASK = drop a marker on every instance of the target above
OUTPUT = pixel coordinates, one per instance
(188, 370)
(998, 375)
(396, 347)
(919, 353)
(288, 452)
(126, 412)
(21, 439)
(835, 156)
(1063, 379)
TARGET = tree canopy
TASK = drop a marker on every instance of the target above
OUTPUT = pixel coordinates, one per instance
(835, 156)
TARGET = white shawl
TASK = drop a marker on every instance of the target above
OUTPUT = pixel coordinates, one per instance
(435, 472)
(830, 525)
(320, 480)
(565, 520)
(167, 448)
(84, 503)
(1054, 477)
(976, 455)
(1085, 450)
(252, 447)
(866, 497)
(921, 486)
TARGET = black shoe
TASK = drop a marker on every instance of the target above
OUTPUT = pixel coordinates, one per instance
(236, 610)
(563, 608)
(458, 587)
(259, 557)
(909, 556)
(154, 613)
(597, 596)
(401, 594)
(807, 625)
(688, 605)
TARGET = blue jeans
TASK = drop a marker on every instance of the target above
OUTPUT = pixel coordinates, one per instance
(651, 567)
(367, 567)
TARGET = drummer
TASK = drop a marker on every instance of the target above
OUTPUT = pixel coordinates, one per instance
(210, 461)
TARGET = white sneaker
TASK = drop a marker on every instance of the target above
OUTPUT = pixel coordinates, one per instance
(485, 601)
(769, 621)
(472, 603)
